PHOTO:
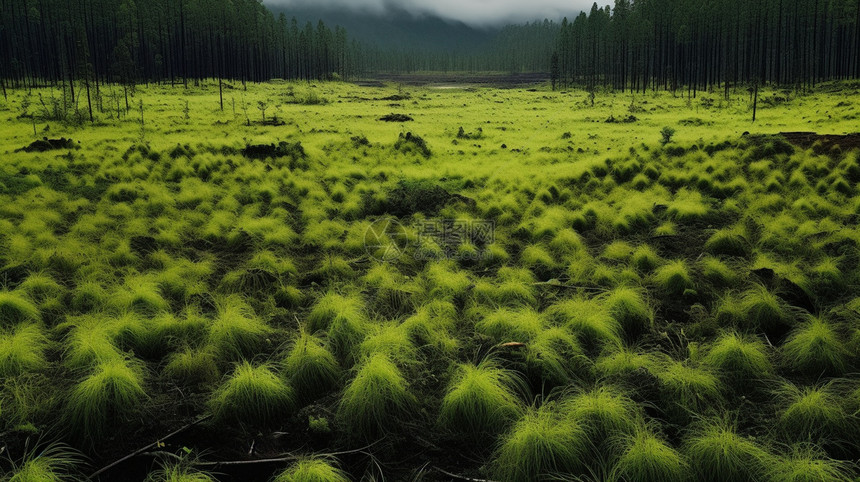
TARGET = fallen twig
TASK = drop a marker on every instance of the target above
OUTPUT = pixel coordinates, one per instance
(459, 477)
(144, 449)
(284, 458)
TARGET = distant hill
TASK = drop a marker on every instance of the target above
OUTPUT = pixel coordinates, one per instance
(398, 29)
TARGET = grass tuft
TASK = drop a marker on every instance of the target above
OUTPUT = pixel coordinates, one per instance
(542, 443)
(252, 395)
(815, 348)
(111, 393)
(375, 399)
(674, 278)
(479, 400)
(22, 350)
(718, 453)
(311, 367)
(646, 458)
(15, 308)
(312, 469)
(236, 331)
(739, 356)
(810, 412)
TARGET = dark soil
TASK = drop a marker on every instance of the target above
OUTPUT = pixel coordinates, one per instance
(828, 142)
(396, 118)
(50, 145)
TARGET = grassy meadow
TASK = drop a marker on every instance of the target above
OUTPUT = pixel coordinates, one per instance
(644, 287)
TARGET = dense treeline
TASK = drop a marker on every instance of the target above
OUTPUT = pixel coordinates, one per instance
(127, 41)
(635, 44)
(705, 44)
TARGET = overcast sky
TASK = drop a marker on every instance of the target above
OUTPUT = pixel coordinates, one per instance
(474, 12)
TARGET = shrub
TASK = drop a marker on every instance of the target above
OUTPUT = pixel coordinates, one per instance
(376, 398)
(646, 458)
(252, 395)
(718, 453)
(311, 367)
(22, 350)
(479, 400)
(112, 392)
(739, 356)
(542, 443)
(815, 348)
(312, 469)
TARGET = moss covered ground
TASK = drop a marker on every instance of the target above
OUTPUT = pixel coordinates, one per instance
(496, 283)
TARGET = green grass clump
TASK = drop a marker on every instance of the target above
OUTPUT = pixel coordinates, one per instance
(763, 309)
(112, 392)
(646, 458)
(54, 463)
(432, 325)
(740, 356)
(688, 386)
(604, 412)
(728, 242)
(445, 282)
(590, 319)
(674, 278)
(645, 259)
(252, 395)
(312, 469)
(718, 453)
(375, 399)
(90, 341)
(806, 464)
(178, 472)
(236, 331)
(810, 412)
(343, 319)
(15, 308)
(542, 443)
(192, 366)
(553, 356)
(623, 362)
(628, 307)
(688, 206)
(506, 325)
(389, 339)
(479, 400)
(22, 350)
(718, 272)
(311, 367)
(815, 348)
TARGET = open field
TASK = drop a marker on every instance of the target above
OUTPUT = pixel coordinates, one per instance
(513, 285)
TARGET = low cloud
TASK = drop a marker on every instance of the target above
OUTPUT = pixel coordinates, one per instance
(473, 12)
